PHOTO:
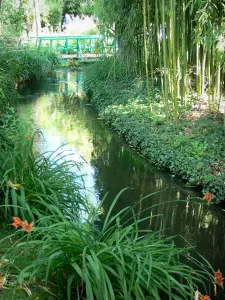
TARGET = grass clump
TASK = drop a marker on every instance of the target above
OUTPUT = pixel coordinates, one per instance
(34, 184)
(7, 87)
(22, 65)
(27, 63)
(114, 260)
(194, 149)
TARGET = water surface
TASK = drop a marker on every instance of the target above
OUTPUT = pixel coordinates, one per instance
(64, 118)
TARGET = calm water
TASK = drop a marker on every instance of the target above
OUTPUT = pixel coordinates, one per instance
(111, 165)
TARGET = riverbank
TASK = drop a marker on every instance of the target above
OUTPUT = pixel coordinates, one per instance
(194, 150)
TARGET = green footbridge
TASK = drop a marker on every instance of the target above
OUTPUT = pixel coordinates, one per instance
(87, 47)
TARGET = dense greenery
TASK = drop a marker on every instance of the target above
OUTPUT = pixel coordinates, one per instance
(61, 238)
(27, 63)
(170, 58)
(18, 18)
(179, 43)
(19, 66)
(194, 149)
(117, 260)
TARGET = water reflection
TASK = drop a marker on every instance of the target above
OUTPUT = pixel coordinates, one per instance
(112, 165)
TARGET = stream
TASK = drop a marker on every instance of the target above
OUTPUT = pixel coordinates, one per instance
(112, 165)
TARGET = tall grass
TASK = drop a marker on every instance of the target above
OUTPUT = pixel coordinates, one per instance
(27, 63)
(32, 185)
(114, 260)
(22, 65)
(8, 93)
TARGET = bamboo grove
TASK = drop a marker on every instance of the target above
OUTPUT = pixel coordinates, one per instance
(179, 43)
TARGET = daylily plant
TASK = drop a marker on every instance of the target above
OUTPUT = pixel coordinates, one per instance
(2, 281)
(18, 222)
(219, 278)
(208, 197)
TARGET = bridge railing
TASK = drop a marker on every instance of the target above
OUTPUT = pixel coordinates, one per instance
(78, 45)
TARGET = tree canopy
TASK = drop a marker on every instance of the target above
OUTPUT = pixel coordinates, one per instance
(17, 17)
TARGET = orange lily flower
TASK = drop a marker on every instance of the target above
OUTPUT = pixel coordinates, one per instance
(17, 222)
(208, 197)
(28, 227)
(205, 297)
(2, 281)
(219, 278)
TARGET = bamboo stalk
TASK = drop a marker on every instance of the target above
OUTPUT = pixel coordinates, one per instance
(146, 54)
(165, 60)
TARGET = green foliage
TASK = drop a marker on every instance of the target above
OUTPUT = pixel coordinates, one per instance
(171, 39)
(7, 87)
(116, 259)
(27, 63)
(54, 13)
(48, 181)
(77, 7)
(21, 65)
(195, 149)
(12, 19)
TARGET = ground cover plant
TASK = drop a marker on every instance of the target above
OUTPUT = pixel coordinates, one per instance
(194, 149)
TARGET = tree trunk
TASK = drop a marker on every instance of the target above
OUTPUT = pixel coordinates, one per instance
(37, 18)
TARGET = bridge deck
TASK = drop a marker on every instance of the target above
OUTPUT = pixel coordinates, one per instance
(84, 56)
(90, 47)
(79, 47)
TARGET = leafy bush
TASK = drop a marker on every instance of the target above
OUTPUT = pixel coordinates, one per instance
(195, 149)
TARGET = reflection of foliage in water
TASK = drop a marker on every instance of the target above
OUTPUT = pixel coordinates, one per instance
(71, 119)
